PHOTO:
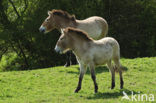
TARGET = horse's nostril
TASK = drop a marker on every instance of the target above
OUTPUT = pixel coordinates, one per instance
(57, 49)
(42, 30)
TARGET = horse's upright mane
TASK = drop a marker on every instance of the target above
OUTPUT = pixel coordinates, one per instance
(78, 33)
(63, 14)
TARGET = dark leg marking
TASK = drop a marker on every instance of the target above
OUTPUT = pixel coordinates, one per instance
(94, 80)
(121, 80)
(79, 83)
(113, 84)
(113, 79)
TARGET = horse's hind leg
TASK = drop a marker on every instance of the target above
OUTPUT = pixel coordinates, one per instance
(91, 67)
(68, 59)
(118, 65)
(73, 59)
(110, 66)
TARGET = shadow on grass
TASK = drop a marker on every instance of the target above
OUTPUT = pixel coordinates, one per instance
(99, 69)
(107, 95)
(124, 68)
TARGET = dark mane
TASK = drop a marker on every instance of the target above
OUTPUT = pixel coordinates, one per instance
(78, 33)
(63, 14)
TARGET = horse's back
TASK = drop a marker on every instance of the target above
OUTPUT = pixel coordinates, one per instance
(92, 19)
(110, 41)
(108, 47)
(114, 44)
(94, 26)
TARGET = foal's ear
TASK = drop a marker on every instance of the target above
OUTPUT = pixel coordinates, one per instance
(62, 31)
(49, 12)
(73, 17)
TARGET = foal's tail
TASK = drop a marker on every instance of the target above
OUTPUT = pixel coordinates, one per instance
(116, 57)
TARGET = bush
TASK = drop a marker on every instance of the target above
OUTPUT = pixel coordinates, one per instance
(131, 22)
(10, 61)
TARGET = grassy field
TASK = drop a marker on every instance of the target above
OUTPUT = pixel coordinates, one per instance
(57, 85)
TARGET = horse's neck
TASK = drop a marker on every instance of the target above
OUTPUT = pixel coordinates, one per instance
(80, 48)
(64, 25)
(84, 25)
(81, 23)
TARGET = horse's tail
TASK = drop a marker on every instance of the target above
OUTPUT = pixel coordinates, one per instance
(105, 28)
(116, 56)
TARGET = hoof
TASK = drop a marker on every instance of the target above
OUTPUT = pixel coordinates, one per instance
(95, 91)
(112, 88)
(113, 85)
(121, 87)
(77, 89)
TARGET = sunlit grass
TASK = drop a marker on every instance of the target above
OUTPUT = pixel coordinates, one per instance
(57, 84)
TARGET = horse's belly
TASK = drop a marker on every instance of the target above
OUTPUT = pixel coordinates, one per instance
(101, 56)
(101, 60)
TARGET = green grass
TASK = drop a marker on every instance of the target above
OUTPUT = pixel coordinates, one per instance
(57, 85)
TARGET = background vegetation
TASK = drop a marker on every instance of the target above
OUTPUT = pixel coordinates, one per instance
(131, 22)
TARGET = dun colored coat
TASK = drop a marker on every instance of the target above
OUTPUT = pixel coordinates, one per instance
(90, 53)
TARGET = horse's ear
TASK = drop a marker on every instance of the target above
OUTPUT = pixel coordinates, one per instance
(73, 17)
(49, 12)
(62, 31)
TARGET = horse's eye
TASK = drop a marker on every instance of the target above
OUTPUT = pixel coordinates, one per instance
(47, 20)
(61, 39)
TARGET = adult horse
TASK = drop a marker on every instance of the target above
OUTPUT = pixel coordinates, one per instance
(95, 26)
(90, 53)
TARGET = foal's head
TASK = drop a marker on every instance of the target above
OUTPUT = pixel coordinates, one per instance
(70, 39)
(64, 43)
(56, 19)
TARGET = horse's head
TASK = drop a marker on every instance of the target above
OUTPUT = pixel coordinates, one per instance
(70, 39)
(64, 43)
(48, 24)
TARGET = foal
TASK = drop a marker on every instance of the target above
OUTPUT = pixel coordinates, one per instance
(95, 26)
(90, 53)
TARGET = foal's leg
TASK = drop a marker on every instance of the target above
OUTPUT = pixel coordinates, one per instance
(92, 70)
(110, 66)
(82, 72)
(118, 65)
(68, 59)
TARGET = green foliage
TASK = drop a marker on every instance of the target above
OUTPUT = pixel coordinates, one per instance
(131, 22)
(9, 61)
(56, 85)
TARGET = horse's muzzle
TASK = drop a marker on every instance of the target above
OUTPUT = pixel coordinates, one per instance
(42, 29)
(58, 50)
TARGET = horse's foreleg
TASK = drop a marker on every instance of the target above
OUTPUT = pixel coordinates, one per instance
(110, 66)
(93, 77)
(82, 72)
(68, 59)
